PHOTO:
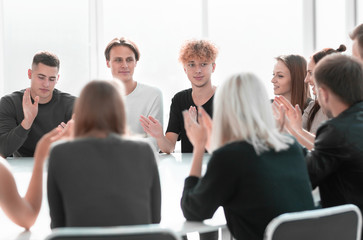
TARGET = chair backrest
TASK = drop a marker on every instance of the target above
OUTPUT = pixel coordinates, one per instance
(340, 222)
(137, 232)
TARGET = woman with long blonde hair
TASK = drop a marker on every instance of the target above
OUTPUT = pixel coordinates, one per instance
(255, 173)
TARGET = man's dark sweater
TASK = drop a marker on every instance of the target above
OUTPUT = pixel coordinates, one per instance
(336, 163)
(14, 139)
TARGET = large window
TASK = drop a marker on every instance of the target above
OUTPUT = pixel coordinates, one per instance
(251, 33)
(330, 24)
(359, 11)
(158, 28)
(57, 26)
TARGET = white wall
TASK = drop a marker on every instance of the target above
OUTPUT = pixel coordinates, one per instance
(249, 35)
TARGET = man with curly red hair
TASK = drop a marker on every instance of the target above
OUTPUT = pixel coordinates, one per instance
(198, 59)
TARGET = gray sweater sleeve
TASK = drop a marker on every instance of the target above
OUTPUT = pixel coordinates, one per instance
(12, 134)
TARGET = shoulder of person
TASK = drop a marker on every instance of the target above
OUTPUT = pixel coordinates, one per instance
(234, 147)
(15, 95)
(63, 96)
(183, 93)
(147, 87)
(15, 98)
(133, 142)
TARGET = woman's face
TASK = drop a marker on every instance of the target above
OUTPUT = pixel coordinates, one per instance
(309, 75)
(281, 80)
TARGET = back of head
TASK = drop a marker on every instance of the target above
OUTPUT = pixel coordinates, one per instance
(122, 42)
(343, 75)
(299, 89)
(198, 49)
(327, 51)
(100, 107)
(357, 34)
(242, 111)
(46, 58)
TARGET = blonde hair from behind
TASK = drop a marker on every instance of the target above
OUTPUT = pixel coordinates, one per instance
(100, 107)
(243, 112)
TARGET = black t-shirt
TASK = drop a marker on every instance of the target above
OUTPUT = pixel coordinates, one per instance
(180, 102)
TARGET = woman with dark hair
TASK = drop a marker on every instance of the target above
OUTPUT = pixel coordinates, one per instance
(101, 178)
(304, 127)
(288, 79)
(313, 115)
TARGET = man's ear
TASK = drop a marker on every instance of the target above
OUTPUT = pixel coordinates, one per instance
(108, 63)
(214, 66)
(29, 73)
(57, 79)
(324, 94)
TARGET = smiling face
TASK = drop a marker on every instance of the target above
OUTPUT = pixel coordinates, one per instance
(309, 75)
(43, 80)
(281, 80)
(122, 63)
(199, 72)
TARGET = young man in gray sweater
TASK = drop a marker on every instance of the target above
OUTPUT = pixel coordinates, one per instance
(26, 115)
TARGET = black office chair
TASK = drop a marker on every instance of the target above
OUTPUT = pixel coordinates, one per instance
(138, 232)
(341, 222)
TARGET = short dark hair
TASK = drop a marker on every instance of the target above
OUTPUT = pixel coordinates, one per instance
(343, 75)
(46, 58)
(358, 34)
(122, 42)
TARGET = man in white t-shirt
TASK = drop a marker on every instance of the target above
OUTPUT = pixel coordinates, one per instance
(122, 56)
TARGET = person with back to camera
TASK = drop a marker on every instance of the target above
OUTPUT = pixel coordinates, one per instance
(288, 80)
(122, 56)
(304, 126)
(255, 173)
(335, 164)
(101, 178)
(26, 115)
(198, 59)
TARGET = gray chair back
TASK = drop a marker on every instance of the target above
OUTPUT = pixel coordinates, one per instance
(138, 232)
(341, 222)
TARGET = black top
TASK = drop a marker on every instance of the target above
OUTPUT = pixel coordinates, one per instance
(252, 189)
(14, 139)
(336, 163)
(103, 182)
(180, 102)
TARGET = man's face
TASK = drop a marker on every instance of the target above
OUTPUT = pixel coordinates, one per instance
(199, 72)
(43, 80)
(355, 50)
(122, 63)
